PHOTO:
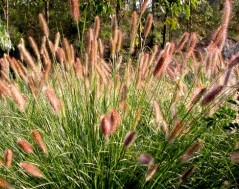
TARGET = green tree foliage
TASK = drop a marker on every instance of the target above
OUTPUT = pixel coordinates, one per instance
(171, 17)
(5, 41)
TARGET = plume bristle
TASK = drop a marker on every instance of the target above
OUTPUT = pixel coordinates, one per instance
(8, 157)
(31, 169)
(191, 151)
(25, 145)
(36, 135)
(54, 101)
(152, 170)
(44, 25)
(212, 94)
(145, 159)
(105, 125)
(129, 138)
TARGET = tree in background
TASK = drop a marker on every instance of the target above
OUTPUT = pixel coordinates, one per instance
(171, 17)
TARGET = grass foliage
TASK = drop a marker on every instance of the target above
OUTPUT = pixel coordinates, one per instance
(149, 119)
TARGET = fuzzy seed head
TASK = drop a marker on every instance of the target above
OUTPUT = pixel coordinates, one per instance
(4, 90)
(105, 125)
(31, 169)
(54, 101)
(4, 63)
(114, 120)
(97, 27)
(234, 157)
(164, 59)
(57, 41)
(176, 131)
(129, 138)
(119, 41)
(212, 94)
(25, 146)
(133, 31)
(187, 173)
(191, 151)
(199, 92)
(192, 44)
(60, 55)
(36, 135)
(44, 25)
(182, 41)
(144, 6)
(5, 184)
(34, 47)
(148, 25)
(18, 97)
(78, 69)
(8, 157)
(74, 9)
(226, 13)
(152, 170)
(145, 159)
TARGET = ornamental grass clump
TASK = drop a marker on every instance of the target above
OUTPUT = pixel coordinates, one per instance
(135, 119)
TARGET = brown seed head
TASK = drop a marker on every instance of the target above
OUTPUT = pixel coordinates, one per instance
(191, 151)
(182, 41)
(133, 31)
(74, 9)
(31, 169)
(4, 90)
(34, 47)
(78, 68)
(226, 13)
(176, 131)
(57, 41)
(51, 47)
(129, 138)
(105, 125)
(199, 92)
(4, 63)
(60, 55)
(148, 25)
(145, 159)
(217, 38)
(8, 157)
(234, 157)
(164, 59)
(97, 27)
(119, 41)
(29, 60)
(44, 25)
(151, 172)
(144, 6)
(114, 119)
(36, 135)
(54, 101)
(192, 44)
(18, 97)
(187, 173)
(5, 184)
(101, 48)
(212, 94)
(25, 145)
